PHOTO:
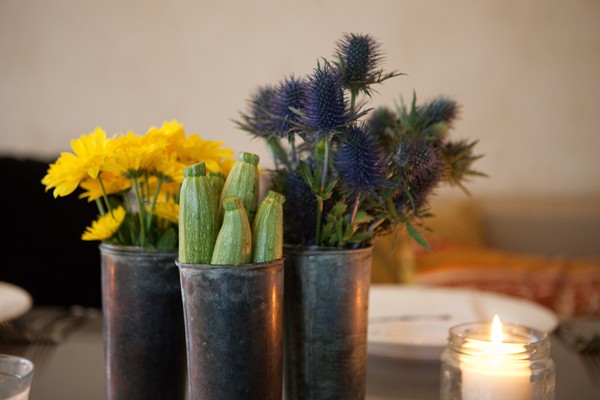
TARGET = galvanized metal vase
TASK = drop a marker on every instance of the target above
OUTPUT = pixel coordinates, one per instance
(144, 334)
(234, 330)
(325, 319)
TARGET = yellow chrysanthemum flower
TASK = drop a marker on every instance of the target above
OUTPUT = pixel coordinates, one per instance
(226, 165)
(64, 175)
(168, 210)
(168, 167)
(133, 155)
(145, 170)
(196, 150)
(91, 150)
(169, 189)
(70, 169)
(106, 226)
(113, 184)
(172, 132)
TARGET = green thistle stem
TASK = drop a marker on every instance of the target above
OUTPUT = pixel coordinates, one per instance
(391, 207)
(325, 166)
(141, 212)
(322, 189)
(353, 95)
(354, 209)
(292, 142)
(319, 213)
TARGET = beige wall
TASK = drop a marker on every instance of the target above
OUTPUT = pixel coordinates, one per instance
(526, 72)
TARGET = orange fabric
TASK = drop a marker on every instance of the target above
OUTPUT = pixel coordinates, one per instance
(570, 288)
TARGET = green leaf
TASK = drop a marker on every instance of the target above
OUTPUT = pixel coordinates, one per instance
(168, 240)
(361, 237)
(277, 150)
(414, 233)
(362, 218)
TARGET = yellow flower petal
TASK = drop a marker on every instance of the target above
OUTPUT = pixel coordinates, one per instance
(70, 169)
(105, 226)
(113, 184)
(167, 210)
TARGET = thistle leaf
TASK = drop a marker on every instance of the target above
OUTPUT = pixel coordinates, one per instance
(414, 233)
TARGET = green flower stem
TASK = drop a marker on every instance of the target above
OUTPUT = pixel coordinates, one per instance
(141, 212)
(104, 196)
(100, 207)
(154, 200)
(126, 201)
(146, 188)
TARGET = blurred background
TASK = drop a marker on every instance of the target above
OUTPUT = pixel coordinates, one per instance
(525, 72)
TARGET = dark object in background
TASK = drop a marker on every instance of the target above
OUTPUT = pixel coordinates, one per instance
(40, 238)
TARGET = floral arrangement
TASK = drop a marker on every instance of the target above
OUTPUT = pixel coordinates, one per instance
(349, 172)
(134, 181)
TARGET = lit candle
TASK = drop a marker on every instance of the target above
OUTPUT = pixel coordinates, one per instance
(495, 369)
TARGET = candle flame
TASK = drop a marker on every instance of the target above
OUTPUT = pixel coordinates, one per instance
(496, 330)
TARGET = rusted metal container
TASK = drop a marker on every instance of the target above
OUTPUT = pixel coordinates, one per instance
(234, 330)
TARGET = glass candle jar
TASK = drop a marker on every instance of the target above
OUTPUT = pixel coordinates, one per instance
(510, 362)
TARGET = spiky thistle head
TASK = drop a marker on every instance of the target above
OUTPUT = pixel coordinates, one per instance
(359, 59)
(423, 183)
(459, 158)
(383, 124)
(359, 161)
(381, 119)
(438, 115)
(259, 120)
(420, 168)
(326, 109)
(288, 103)
(418, 155)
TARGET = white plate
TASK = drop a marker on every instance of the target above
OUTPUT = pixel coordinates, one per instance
(14, 301)
(412, 322)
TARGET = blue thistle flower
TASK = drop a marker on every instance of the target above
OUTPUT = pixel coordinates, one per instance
(420, 155)
(359, 160)
(419, 168)
(441, 109)
(326, 111)
(383, 124)
(290, 95)
(423, 183)
(381, 119)
(360, 56)
(422, 170)
(259, 121)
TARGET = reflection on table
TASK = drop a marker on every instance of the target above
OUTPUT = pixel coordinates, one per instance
(74, 370)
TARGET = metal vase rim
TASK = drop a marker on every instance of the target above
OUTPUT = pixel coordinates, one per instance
(117, 248)
(319, 250)
(244, 267)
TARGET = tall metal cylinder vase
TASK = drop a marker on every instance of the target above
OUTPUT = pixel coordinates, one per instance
(234, 330)
(144, 334)
(325, 322)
